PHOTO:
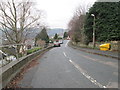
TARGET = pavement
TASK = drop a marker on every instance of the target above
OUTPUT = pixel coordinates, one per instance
(112, 54)
(66, 67)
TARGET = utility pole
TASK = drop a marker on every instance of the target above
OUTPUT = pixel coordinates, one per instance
(93, 30)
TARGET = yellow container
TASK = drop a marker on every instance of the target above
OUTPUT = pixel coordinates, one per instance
(105, 47)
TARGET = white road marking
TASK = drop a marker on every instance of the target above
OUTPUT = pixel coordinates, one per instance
(70, 60)
(86, 75)
(64, 54)
(66, 44)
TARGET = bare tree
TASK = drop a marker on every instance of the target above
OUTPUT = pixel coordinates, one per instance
(16, 18)
(76, 24)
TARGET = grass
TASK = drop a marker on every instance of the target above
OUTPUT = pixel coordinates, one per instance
(33, 50)
(90, 47)
(85, 46)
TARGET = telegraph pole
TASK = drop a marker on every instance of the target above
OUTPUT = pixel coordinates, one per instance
(93, 30)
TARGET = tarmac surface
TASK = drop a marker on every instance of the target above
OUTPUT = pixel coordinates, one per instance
(66, 67)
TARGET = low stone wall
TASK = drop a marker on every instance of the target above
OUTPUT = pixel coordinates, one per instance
(9, 71)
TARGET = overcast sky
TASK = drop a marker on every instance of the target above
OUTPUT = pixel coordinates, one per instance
(59, 12)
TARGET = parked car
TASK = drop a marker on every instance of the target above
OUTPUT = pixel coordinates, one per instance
(56, 43)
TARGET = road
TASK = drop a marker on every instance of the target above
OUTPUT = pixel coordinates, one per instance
(65, 67)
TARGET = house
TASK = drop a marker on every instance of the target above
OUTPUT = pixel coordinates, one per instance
(29, 43)
(40, 43)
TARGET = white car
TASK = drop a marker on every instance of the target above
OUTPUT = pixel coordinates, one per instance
(56, 43)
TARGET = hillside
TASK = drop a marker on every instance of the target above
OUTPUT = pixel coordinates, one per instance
(52, 32)
(34, 31)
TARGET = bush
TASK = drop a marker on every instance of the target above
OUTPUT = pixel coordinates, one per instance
(33, 50)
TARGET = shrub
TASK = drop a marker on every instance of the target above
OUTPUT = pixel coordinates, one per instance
(33, 50)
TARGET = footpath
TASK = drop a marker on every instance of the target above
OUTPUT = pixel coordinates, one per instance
(112, 54)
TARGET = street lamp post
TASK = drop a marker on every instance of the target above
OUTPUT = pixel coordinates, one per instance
(93, 30)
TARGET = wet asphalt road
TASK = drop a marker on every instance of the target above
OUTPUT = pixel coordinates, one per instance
(65, 67)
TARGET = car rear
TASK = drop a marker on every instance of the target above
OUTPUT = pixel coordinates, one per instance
(56, 44)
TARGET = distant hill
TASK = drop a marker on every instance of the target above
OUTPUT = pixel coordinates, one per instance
(34, 31)
(52, 32)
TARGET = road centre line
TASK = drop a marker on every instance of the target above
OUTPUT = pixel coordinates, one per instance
(64, 54)
(86, 75)
(70, 60)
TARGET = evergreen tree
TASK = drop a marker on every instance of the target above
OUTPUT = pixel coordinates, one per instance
(106, 21)
(43, 36)
(56, 36)
(65, 35)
